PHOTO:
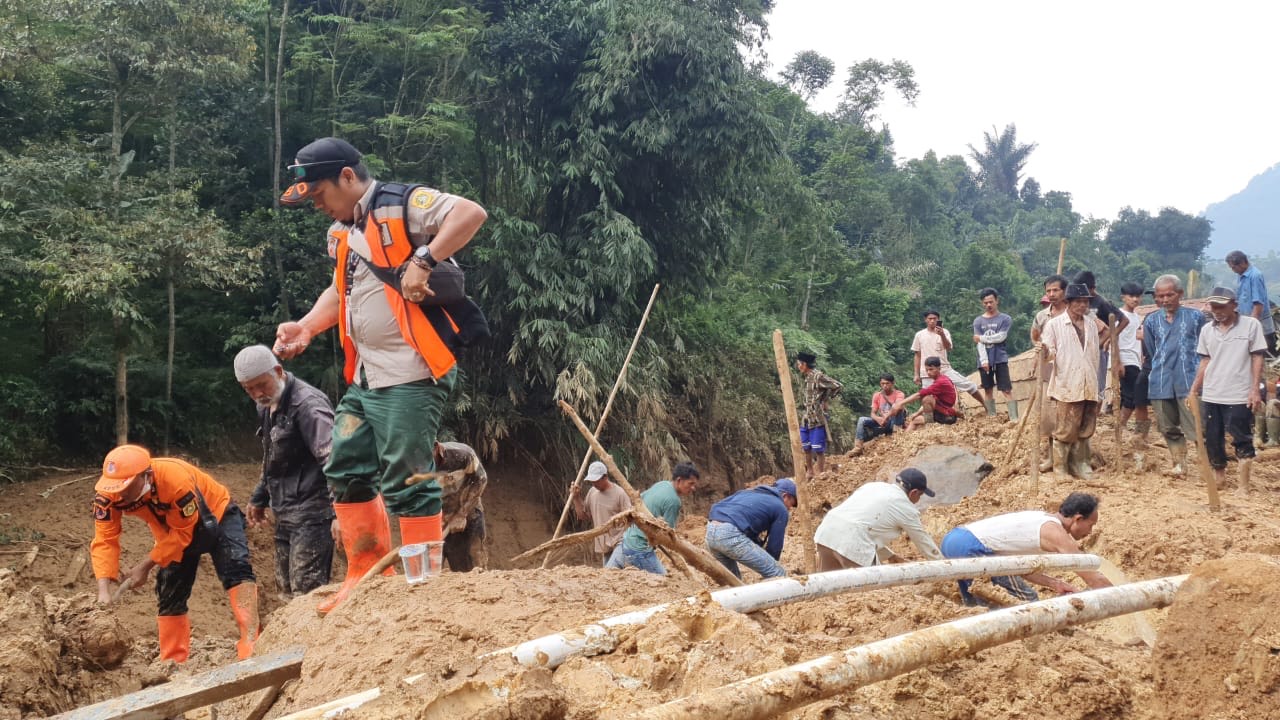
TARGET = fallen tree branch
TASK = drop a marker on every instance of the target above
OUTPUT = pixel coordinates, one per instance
(621, 519)
(49, 491)
(658, 532)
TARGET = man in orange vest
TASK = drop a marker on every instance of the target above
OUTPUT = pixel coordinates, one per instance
(400, 367)
(190, 514)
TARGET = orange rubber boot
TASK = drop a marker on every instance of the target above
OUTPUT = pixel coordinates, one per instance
(175, 637)
(421, 529)
(366, 537)
(244, 606)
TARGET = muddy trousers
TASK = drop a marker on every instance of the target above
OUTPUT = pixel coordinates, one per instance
(304, 553)
(228, 547)
(1075, 421)
(1174, 420)
(1220, 420)
(961, 543)
(381, 436)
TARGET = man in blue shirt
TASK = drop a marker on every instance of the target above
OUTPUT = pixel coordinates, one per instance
(1251, 296)
(663, 500)
(990, 329)
(749, 527)
(1169, 339)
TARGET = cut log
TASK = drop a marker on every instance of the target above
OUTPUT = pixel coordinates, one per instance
(181, 695)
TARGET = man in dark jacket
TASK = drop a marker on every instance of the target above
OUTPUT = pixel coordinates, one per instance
(750, 526)
(295, 424)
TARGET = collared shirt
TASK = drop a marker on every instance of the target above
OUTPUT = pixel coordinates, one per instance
(861, 527)
(929, 344)
(385, 358)
(296, 436)
(759, 513)
(603, 505)
(1251, 289)
(819, 388)
(664, 502)
(1229, 376)
(1170, 347)
(993, 331)
(1075, 358)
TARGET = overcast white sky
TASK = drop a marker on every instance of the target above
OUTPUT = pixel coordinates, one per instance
(1131, 102)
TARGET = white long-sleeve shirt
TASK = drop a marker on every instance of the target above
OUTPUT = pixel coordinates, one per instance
(861, 527)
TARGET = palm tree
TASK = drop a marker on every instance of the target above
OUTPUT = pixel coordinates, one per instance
(1000, 164)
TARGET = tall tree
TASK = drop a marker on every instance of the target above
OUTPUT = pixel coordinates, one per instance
(865, 86)
(1001, 160)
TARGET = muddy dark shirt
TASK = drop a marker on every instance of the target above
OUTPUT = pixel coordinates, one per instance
(295, 446)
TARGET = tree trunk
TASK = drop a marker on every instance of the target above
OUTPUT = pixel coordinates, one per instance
(121, 330)
(276, 162)
(168, 366)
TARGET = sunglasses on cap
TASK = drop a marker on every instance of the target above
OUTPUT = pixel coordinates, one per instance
(317, 170)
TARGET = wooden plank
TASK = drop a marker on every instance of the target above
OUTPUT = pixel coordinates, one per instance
(79, 559)
(797, 452)
(179, 696)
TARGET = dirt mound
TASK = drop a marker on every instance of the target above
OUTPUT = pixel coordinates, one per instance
(29, 654)
(1218, 654)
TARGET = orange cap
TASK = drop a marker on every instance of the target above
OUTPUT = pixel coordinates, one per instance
(121, 466)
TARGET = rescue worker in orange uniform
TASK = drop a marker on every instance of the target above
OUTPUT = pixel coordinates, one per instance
(190, 514)
(400, 366)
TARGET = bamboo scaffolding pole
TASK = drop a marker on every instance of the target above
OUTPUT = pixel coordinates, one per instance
(551, 651)
(797, 452)
(657, 532)
(1062, 254)
(604, 415)
(1115, 390)
(773, 694)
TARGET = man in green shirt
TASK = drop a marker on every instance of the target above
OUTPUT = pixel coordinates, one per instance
(663, 500)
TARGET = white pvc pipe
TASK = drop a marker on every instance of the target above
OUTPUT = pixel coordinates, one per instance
(600, 637)
(781, 691)
(552, 650)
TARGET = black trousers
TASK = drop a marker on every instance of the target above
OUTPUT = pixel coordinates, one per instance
(227, 546)
(1220, 420)
(304, 553)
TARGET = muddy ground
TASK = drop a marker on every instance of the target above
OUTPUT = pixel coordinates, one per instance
(57, 651)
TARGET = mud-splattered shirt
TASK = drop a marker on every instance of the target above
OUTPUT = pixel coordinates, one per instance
(819, 388)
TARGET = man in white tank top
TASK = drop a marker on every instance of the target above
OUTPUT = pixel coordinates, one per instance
(1031, 532)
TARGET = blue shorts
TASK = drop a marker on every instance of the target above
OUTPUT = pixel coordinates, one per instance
(960, 543)
(813, 440)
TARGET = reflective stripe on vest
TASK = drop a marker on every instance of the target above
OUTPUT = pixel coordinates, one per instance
(387, 223)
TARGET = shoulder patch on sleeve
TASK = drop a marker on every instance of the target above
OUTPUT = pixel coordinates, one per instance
(101, 508)
(188, 504)
(422, 198)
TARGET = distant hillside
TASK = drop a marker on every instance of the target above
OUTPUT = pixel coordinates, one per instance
(1248, 220)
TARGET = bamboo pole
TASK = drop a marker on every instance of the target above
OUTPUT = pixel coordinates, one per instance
(657, 532)
(608, 405)
(797, 453)
(777, 693)
(1062, 254)
(1202, 455)
(1115, 390)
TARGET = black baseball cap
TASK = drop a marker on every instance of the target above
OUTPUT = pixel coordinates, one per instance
(319, 160)
(912, 479)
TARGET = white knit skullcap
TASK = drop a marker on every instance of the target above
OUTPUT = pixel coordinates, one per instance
(253, 361)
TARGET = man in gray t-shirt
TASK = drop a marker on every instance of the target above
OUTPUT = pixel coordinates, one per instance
(1231, 349)
(990, 330)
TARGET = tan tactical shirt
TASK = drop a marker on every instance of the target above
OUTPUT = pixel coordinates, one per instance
(385, 358)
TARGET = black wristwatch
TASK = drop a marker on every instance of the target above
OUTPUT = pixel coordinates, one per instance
(422, 258)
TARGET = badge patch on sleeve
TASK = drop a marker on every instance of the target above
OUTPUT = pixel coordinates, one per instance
(422, 199)
(101, 512)
(189, 509)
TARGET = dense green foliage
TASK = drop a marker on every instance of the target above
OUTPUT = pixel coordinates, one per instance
(616, 144)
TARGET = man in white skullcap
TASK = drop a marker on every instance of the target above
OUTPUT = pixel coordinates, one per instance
(295, 425)
(603, 500)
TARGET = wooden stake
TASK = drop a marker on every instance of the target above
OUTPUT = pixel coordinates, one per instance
(1202, 455)
(658, 532)
(797, 452)
(608, 405)
(1062, 254)
(1038, 408)
(1115, 390)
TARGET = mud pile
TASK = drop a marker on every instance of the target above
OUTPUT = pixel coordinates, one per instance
(28, 654)
(1218, 654)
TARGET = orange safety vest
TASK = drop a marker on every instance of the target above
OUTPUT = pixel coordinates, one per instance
(171, 510)
(389, 246)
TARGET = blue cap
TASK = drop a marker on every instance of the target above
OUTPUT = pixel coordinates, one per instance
(786, 485)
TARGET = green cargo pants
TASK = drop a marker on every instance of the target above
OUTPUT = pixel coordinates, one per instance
(381, 437)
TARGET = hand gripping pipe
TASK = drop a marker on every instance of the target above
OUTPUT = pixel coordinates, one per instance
(600, 637)
(772, 694)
